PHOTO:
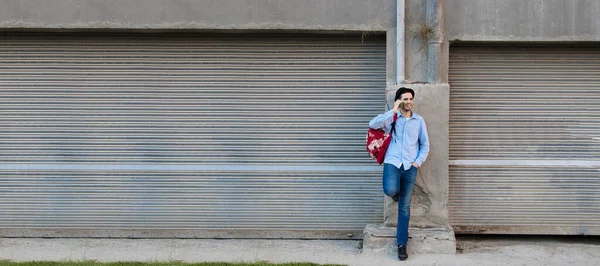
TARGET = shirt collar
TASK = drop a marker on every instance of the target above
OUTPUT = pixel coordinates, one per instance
(413, 115)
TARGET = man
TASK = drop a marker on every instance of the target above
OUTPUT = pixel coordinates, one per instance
(407, 152)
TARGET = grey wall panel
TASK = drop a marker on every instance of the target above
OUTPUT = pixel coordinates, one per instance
(357, 15)
(525, 139)
(514, 20)
(243, 133)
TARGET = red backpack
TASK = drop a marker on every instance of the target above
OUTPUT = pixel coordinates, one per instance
(378, 142)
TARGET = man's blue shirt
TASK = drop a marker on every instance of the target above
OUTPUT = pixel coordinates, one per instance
(410, 142)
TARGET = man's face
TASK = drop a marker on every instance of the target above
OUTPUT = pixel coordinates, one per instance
(407, 99)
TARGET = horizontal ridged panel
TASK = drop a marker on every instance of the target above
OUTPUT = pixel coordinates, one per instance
(187, 200)
(512, 110)
(220, 101)
(265, 97)
(525, 103)
(501, 196)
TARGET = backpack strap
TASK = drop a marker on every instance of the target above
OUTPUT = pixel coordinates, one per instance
(394, 124)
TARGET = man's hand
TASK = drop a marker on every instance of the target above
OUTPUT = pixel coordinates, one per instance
(397, 106)
(415, 165)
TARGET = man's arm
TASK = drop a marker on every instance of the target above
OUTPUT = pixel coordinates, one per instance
(383, 121)
(424, 147)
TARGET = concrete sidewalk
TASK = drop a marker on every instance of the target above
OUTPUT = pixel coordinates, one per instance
(472, 251)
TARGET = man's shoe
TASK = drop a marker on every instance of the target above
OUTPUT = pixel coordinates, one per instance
(402, 252)
(395, 198)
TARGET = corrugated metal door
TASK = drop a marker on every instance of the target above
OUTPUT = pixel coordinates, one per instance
(156, 135)
(525, 139)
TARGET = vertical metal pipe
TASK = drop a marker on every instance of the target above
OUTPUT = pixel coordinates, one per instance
(400, 41)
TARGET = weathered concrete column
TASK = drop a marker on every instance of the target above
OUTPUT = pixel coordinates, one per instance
(430, 195)
(436, 66)
(429, 229)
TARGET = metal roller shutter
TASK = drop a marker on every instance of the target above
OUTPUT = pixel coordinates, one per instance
(525, 139)
(188, 135)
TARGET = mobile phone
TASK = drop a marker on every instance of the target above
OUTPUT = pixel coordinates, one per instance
(401, 105)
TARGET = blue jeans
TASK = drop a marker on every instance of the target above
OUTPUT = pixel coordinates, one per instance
(400, 182)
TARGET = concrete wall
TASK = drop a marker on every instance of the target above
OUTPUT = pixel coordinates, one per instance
(363, 15)
(423, 56)
(518, 20)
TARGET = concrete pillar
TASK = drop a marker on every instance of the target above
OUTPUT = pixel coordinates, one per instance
(429, 229)
(430, 195)
(436, 66)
